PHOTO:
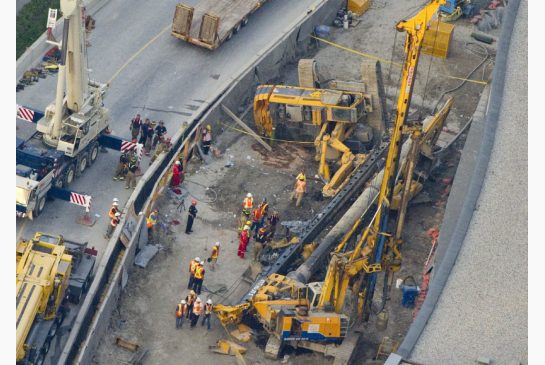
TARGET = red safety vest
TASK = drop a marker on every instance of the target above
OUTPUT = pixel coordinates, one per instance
(257, 214)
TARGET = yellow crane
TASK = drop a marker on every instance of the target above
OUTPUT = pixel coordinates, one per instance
(311, 315)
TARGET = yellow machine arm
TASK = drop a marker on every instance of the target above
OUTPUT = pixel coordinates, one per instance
(367, 256)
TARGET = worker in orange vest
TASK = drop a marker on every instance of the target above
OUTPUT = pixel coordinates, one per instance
(192, 266)
(247, 206)
(196, 313)
(214, 256)
(114, 209)
(264, 206)
(256, 220)
(299, 189)
(207, 313)
(199, 277)
(113, 223)
(181, 313)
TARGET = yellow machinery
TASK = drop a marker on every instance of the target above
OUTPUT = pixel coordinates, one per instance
(331, 115)
(310, 315)
(44, 278)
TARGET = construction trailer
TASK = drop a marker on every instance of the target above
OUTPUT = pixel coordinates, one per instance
(212, 22)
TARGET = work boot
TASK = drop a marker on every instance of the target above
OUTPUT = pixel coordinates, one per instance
(115, 178)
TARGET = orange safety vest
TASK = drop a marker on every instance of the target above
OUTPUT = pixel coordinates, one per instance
(112, 212)
(199, 272)
(197, 309)
(215, 252)
(192, 266)
(248, 203)
(181, 310)
(257, 214)
(264, 208)
(207, 308)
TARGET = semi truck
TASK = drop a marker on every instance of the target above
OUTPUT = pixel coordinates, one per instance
(53, 274)
(212, 22)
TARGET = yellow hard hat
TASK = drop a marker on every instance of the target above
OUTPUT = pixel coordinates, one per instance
(209, 127)
(248, 223)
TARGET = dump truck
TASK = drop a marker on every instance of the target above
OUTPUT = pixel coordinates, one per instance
(216, 21)
(53, 274)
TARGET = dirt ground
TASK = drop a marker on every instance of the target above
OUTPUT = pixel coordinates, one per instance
(145, 313)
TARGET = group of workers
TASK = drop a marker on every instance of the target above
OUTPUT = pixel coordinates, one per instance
(149, 131)
(261, 224)
(191, 308)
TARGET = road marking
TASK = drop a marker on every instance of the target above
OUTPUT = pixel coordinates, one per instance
(138, 52)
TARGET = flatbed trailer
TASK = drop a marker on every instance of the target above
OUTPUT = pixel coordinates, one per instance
(212, 22)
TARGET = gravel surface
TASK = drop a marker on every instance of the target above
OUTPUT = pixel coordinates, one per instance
(482, 312)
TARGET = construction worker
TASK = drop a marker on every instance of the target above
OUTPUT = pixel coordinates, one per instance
(114, 209)
(206, 139)
(264, 206)
(121, 169)
(135, 126)
(199, 277)
(256, 220)
(273, 220)
(160, 130)
(190, 299)
(247, 206)
(299, 190)
(260, 240)
(164, 146)
(149, 137)
(144, 132)
(176, 172)
(214, 256)
(192, 266)
(196, 313)
(244, 237)
(191, 215)
(132, 167)
(207, 314)
(181, 313)
(301, 175)
(113, 223)
(151, 221)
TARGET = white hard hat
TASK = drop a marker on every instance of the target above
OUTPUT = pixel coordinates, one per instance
(198, 300)
(178, 163)
(115, 200)
(249, 195)
(183, 301)
(209, 301)
(218, 244)
(117, 214)
(197, 259)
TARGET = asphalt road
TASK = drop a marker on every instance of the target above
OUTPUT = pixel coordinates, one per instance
(482, 311)
(148, 68)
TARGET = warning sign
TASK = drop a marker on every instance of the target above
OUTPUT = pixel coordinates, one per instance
(52, 18)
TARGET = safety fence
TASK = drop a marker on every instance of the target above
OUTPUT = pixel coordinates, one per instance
(112, 273)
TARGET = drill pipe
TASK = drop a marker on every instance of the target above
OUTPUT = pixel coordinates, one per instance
(359, 208)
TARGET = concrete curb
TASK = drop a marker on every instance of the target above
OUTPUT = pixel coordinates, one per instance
(478, 169)
(106, 288)
(33, 55)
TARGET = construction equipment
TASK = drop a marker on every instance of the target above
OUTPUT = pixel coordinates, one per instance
(51, 273)
(70, 131)
(324, 116)
(216, 20)
(312, 315)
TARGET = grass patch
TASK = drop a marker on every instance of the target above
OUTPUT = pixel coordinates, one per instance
(31, 22)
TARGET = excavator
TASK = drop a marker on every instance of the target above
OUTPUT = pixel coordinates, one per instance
(311, 315)
(326, 117)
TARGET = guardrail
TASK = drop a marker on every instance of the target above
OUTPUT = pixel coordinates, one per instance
(112, 273)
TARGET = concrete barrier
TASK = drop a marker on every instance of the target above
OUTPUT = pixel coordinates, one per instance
(33, 54)
(93, 318)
